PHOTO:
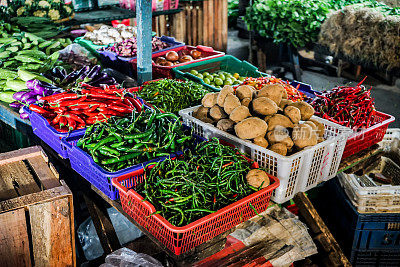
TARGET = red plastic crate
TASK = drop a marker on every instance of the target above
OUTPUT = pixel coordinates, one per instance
(166, 72)
(182, 239)
(368, 137)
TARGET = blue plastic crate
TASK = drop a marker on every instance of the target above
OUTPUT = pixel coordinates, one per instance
(84, 164)
(304, 88)
(358, 231)
(375, 258)
(122, 64)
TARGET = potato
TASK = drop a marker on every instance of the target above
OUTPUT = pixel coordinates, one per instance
(264, 106)
(225, 124)
(306, 110)
(217, 113)
(201, 113)
(273, 92)
(251, 128)
(261, 141)
(222, 95)
(267, 118)
(285, 102)
(277, 135)
(257, 178)
(320, 127)
(279, 119)
(209, 100)
(246, 101)
(303, 136)
(313, 126)
(244, 91)
(293, 114)
(288, 142)
(320, 139)
(240, 113)
(231, 102)
(279, 148)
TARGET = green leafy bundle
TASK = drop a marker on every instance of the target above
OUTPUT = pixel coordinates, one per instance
(291, 21)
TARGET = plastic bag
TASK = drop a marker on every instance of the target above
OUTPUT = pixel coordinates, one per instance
(77, 56)
(125, 230)
(125, 257)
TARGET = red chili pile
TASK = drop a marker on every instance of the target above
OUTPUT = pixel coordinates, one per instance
(258, 83)
(70, 111)
(348, 106)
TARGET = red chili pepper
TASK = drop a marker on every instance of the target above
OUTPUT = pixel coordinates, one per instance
(228, 164)
(37, 109)
(56, 120)
(71, 123)
(63, 121)
(120, 109)
(75, 117)
(68, 103)
(105, 96)
(59, 97)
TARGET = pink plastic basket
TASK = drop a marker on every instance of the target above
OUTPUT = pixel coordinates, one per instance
(182, 239)
(157, 5)
(166, 72)
(366, 138)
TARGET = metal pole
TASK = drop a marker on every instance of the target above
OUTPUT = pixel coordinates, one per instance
(143, 17)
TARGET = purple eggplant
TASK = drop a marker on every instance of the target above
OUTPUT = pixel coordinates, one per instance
(57, 72)
(94, 72)
(30, 100)
(28, 95)
(18, 95)
(70, 77)
(15, 104)
(24, 116)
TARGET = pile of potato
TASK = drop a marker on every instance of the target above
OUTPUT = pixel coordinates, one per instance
(265, 117)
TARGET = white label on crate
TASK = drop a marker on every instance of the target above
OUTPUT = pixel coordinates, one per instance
(159, 5)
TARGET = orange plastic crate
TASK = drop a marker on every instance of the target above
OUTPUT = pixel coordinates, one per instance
(182, 239)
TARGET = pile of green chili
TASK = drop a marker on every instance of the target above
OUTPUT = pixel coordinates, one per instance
(172, 95)
(205, 179)
(123, 142)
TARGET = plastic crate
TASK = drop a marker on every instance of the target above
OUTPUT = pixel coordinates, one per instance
(364, 139)
(48, 134)
(358, 231)
(226, 63)
(166, 72)
(122, 64)
(182, 239)
(298, 172)
(157, 5)
(375, 258)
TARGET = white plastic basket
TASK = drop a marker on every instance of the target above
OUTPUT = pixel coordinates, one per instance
(375, 199)
(296, 173)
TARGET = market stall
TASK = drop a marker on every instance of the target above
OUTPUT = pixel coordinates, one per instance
(206, 155)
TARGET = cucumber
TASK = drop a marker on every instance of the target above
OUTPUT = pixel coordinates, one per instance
(8, 74)
(33, 53)
(28, 59)
(28, 75)
(12, 48)
(7, 96)
(54, 45)
(15, 85)
(45, 44)
(4, 54)
(27, 46)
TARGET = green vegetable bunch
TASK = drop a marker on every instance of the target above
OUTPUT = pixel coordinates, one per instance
(380, 6)
(291, 21)
(233, 11)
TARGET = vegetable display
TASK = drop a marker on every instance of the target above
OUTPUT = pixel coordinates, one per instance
(70, 111)
(106, 35)
(348, 106)
(172, 95)
(128, 48)
(173, 58)
(265, 117)
(124, 142)
(258, 83)
(202, 181)
(295, 22)
(219, 79)
(42, 27)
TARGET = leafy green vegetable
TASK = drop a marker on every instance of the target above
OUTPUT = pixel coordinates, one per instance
(380, 6)
(290, 21)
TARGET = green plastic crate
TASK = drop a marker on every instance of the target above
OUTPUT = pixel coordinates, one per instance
(226, 63)
(89, 45)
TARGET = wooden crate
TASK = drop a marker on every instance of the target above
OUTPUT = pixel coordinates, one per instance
(199, 23)
(36, 212)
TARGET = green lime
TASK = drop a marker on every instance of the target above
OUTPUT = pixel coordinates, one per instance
(206, 73)
(211, 78)
(221, 76)
(194, 72)
(228, 82)
(206, 80)
(200, 75)
(241, 79)
(218, 81)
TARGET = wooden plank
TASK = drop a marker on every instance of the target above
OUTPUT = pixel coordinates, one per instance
(42, 170)
(22, 201)
(194, 25)
(20, 154)
(14, 242)
(217, 25)
(162, 25)
(20, 177)
(211, 21)
(224, 25)
(204, 5)
(51, 233)
(313, 220)
(199, 7)
(7, 190)
(188, 25)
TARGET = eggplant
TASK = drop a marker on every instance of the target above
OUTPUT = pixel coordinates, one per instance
(94, 72)
(15, 104)
(70, 77)
(99, 78)
(31, 84)
(28, 95)
(18, 95)
(30, 100)
(24, 116)
(58, 73)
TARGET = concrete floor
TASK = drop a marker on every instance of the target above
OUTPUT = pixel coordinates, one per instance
(387, 98)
